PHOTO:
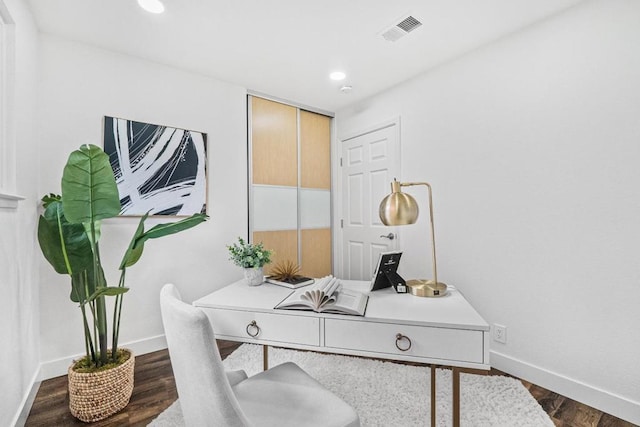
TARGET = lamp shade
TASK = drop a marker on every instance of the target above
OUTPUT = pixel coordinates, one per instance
(398, 208)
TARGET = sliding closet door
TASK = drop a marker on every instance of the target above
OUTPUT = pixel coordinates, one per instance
(274, 169)
(290, 206)
(315, 194)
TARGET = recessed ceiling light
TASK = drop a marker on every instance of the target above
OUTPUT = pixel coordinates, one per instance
(337, 75)
(153, 6)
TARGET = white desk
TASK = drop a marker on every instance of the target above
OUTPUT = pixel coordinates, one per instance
(445, 331)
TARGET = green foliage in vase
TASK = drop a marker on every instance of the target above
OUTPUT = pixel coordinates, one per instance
(248, 255)
(69, 232)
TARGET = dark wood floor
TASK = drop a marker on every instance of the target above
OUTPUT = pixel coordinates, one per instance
(155, 390)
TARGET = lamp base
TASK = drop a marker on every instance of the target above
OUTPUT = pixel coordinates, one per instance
(426, 288)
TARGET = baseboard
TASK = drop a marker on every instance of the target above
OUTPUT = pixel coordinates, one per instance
(21, 416)
(58, 367)
(602, 400)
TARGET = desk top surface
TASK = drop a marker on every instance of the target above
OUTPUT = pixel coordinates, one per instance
(449, 311)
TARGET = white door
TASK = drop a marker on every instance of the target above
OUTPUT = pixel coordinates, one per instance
(370, 161)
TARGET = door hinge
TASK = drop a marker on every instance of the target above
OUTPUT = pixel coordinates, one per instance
(340, 161)
(342, 223)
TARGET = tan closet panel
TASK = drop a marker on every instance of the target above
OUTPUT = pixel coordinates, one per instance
(274, 137)
(315, 150)
(283, 243)
(316, 252)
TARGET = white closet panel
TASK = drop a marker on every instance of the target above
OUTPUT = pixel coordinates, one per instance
(315, 208)
(274, 208)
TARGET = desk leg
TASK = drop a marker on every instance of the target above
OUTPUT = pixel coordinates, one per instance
(456, 397)
(433, 395)
(265, 357)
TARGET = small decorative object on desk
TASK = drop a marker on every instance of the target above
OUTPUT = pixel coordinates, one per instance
(254, 276)
(386, 273)
(251, 257)
(286, 273)
(327, 295)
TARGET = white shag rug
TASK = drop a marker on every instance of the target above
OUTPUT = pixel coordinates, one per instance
(388, 394)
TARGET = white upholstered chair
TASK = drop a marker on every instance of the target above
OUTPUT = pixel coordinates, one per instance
(282, 396)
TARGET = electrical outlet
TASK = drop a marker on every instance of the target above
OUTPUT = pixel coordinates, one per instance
(500, 333)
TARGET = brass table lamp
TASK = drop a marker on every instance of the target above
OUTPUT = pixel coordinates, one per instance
(400, 208)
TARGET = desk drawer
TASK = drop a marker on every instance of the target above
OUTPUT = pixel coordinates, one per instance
(269, 327)
(427, 342)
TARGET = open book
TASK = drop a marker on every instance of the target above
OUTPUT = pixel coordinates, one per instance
(327, 295)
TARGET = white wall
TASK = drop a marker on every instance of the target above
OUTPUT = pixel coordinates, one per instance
(19, 330)
(80, 85)
(532, 145)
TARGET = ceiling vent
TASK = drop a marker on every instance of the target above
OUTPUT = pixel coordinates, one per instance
(401, 29)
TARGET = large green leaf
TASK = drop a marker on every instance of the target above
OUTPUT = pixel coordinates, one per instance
(93, 229)
(89, 191)
(166, 229)
(107, 291)
(134, 252)
(80, 285)
(66, 246)
(83, 283)
(50, 198)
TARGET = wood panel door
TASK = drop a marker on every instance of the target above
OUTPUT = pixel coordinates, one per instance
(370, 161)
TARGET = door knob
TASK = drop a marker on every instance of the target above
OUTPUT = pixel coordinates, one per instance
(389, 236)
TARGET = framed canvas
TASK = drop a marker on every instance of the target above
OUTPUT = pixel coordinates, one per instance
(159, 169)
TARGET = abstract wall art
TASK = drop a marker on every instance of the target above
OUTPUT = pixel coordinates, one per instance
(158, 169)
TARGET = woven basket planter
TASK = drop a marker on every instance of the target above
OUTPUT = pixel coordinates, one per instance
(97, 395)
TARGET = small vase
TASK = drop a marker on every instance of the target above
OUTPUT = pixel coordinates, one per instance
(254, 276)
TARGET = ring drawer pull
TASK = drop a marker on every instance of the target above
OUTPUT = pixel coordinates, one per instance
(400, 337)
(253, 324)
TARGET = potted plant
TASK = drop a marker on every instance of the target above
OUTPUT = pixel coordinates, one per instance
(251, 257)
(69, 234)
